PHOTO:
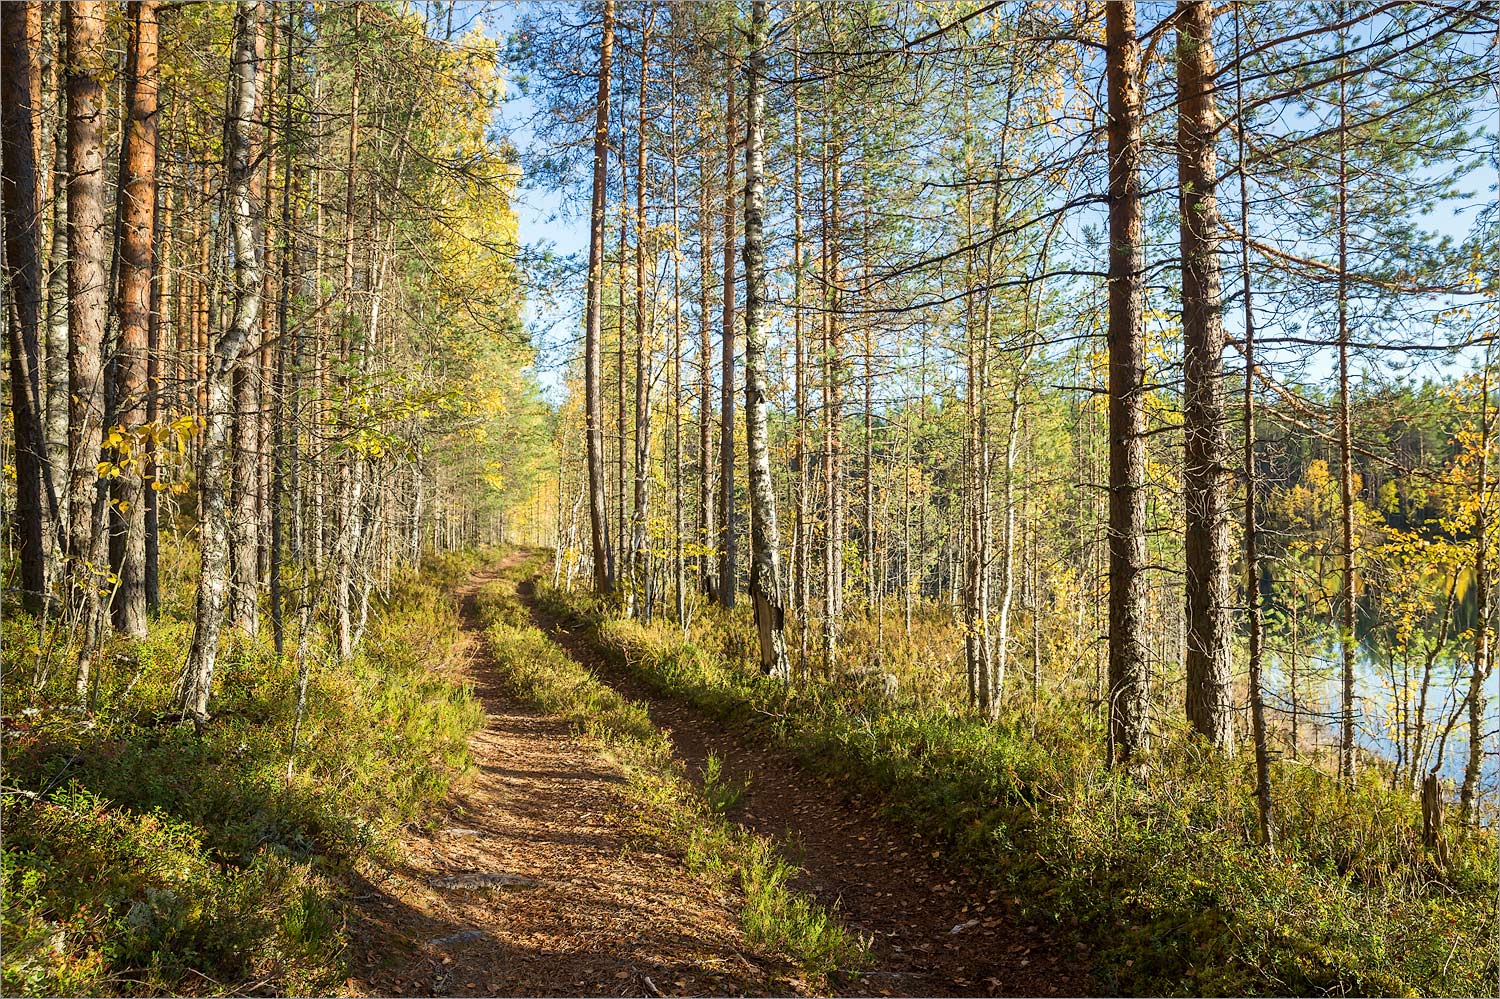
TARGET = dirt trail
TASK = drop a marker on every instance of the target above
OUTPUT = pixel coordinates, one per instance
(533, 886)
(934, 933)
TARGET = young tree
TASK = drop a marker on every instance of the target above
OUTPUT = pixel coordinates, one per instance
(1253, 614)
(640, 581)
(1479, 674)
(1348, 641)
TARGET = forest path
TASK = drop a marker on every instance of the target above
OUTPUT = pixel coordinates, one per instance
(534, 884)
(934, 932)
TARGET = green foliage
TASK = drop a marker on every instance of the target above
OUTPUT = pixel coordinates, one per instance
(720, 792)
(1160, 872)
(142, 857)
(776, 917)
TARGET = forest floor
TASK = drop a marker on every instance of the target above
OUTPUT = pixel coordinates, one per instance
(594, 913)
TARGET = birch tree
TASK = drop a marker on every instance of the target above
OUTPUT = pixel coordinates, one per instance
(765, 554)
(228, 350)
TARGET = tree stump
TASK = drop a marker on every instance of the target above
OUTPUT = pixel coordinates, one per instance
(1432, 819)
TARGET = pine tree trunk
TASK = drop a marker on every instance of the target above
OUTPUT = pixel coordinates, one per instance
(213, 580)
(623, 555)
(726, 396)
(350, 496)
(640, 576)
(1205, 445)
(679, 569)
(983, 523)
(706, 522)
(1127, 375)
(604, 574)
(160, 314)
(976, 624)
(1347, 642)
(283, 432)
(867, 448)
(137, 229)
(833, 394)
(802, 527)
(87, 305)
(20, 38)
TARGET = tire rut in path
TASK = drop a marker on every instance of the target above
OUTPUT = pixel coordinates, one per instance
(535, 885)
(934, 932)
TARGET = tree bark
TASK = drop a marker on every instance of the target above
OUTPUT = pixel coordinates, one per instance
(680, 569)
(283, 432)
(58, 401)
(88, 296)
(976, 473)
(706, 575)
(151, 495)
(137, 264)
(20, 37)
(245, 444)
(833, 391)
(1347, 641)
(1252, 525)
(1205, 444)
(765, 543)
(213, 579)
(640, 575)
(1127, 375)
(726, 396)
(350, 478)
(1468, 794)
(604, 573)
(802, 526)
(623, 556)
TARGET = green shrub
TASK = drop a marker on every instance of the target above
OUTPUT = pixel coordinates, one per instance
(141, 856)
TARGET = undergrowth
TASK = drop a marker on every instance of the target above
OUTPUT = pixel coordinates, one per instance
(776, 918)
(1159, 873)
(144, 857)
